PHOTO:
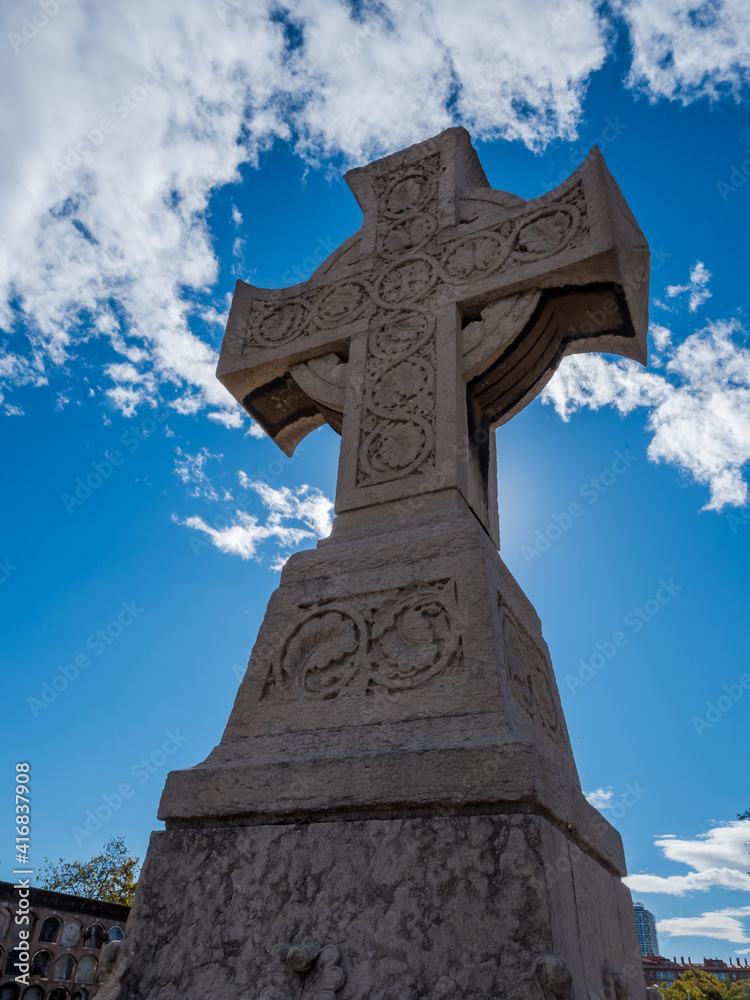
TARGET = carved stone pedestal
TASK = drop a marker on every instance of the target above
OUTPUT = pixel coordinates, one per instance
(394, 810)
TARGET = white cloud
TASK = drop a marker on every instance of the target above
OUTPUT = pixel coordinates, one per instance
(698, 410)
(661, 336)
(254, 430)
(229, 418)
(697, 286)
(109, 160)
(243, 537)
(191, 470)
(719, 858)
(601, 798)
(686, 49)
(678, 885)
(722, 924)
(292, 518)
(307, 505)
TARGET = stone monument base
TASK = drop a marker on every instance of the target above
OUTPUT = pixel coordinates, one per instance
(393, 812)
(477, 907)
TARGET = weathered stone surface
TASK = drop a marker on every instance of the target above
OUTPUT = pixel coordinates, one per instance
(440, 908)
(394, 810)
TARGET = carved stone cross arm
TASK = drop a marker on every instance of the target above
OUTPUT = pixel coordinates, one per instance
(440, 319)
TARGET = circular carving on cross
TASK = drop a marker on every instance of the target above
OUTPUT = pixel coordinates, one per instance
(476, 255)
(529, 671)
(407, 194)
(515, 649)
(399, 334)
(321, 654)
(545, 233)
(545, 701)
(402, 383)
(409, 234)
(275, 323)
(408, 280)
(413, 642)
(395, 448)
(341, 304)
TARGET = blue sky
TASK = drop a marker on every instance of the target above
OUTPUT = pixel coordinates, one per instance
(230, 126)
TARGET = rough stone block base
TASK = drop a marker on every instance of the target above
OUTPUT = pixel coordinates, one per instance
(477, 907)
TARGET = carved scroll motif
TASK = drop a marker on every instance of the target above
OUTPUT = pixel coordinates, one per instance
(392, 640)
(303, 972)
(529, 670)
(397, 436)
(412, 260)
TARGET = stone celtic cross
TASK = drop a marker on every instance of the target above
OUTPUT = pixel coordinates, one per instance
(394, 808)
(440, 319)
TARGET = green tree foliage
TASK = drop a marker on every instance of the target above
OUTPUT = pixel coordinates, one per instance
(704, 986)
(744, 815)
(109, 877)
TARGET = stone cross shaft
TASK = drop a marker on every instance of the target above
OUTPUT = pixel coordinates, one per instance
(440, 319)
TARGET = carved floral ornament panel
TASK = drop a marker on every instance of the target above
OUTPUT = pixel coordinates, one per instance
(412, 260)
(387, 641)
(303, 972)
(529, 672)
(397, 435)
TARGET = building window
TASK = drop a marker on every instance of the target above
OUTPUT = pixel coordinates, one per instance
(40, 964)
(4, 921)
(71, 932)
(58, 994)
(115, 933)
(64, 968)
(94, 936)
(11, 966)
(50, 929)
(86, 970)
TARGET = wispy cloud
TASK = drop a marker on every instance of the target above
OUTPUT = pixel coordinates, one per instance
(697, 403)
(293, 516)
(697, 286)
(719, 858)
(191, 469)
(601, 798)
(722, 924)
(306, 504)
